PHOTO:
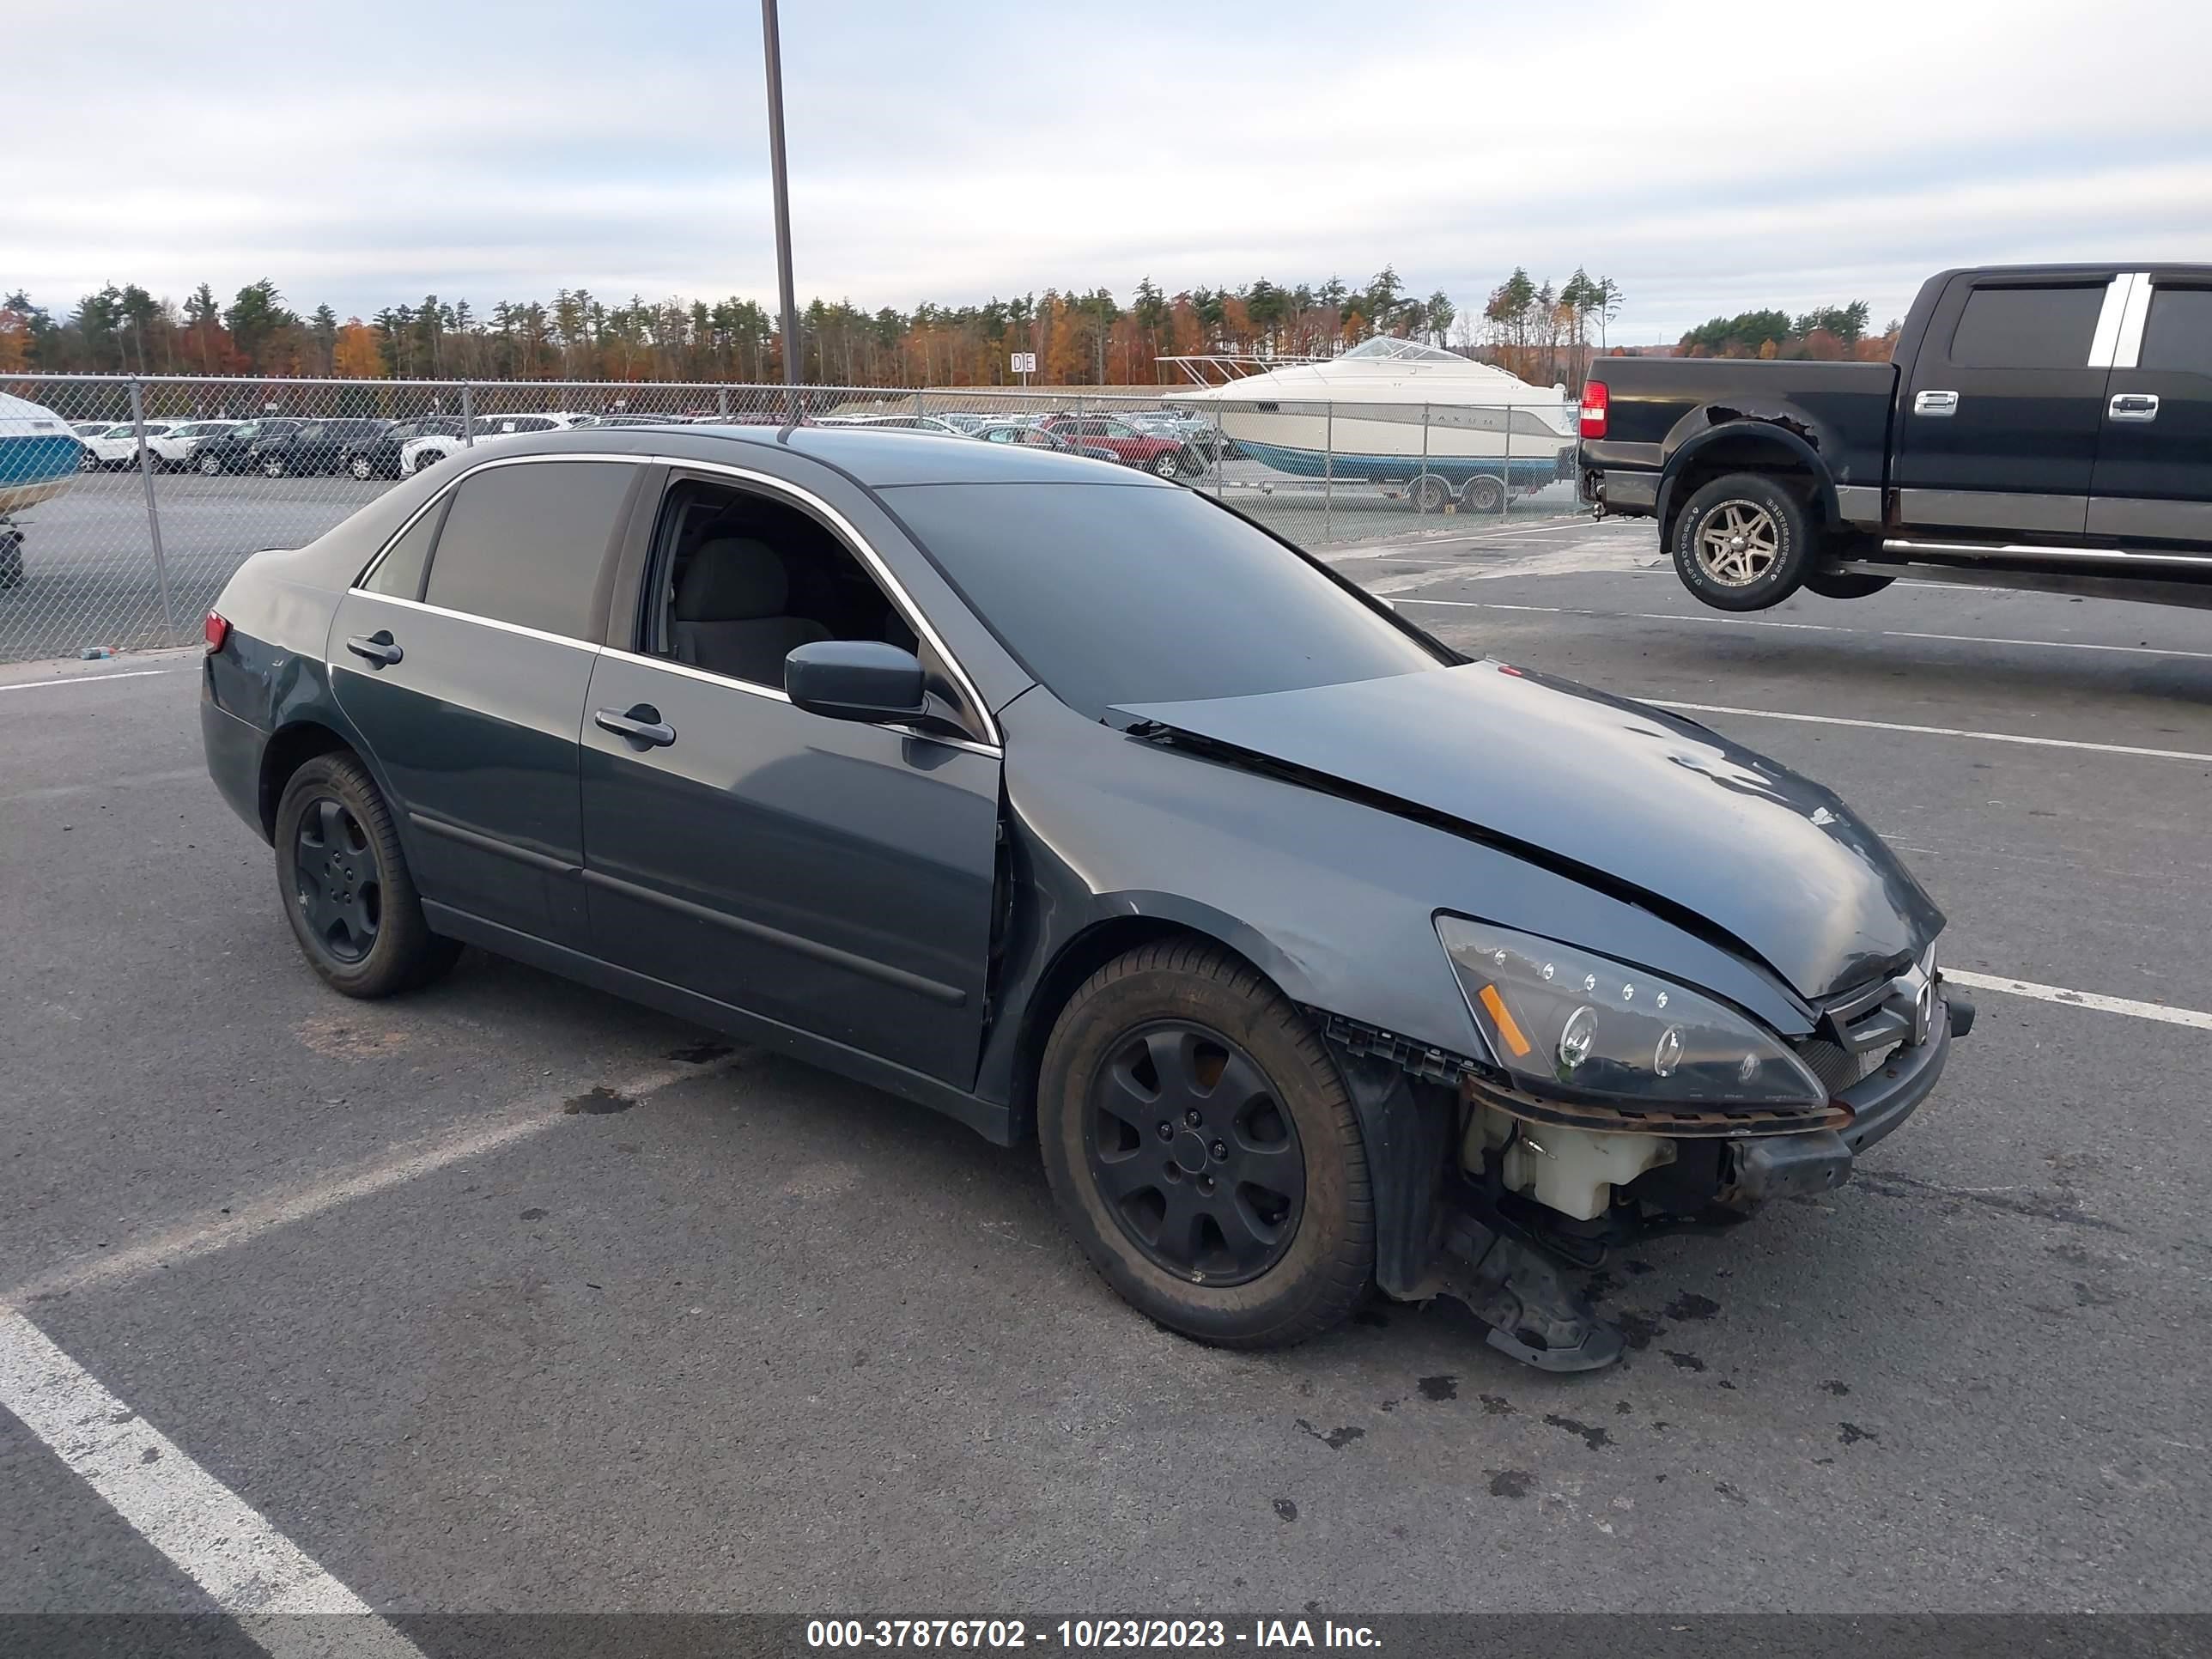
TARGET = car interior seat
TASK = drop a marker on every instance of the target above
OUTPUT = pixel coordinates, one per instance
(730, 614)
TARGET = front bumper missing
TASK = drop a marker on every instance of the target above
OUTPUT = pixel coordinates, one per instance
(1509, 1273)
(1819, 1160)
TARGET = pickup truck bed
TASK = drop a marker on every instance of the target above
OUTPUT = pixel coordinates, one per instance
(2039, 426)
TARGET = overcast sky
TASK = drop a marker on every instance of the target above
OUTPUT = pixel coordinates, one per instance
(1709, 157)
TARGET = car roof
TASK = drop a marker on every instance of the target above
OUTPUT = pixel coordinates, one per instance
(876, 458)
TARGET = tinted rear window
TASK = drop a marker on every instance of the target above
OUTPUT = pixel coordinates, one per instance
(1118, 594)
(526, 543)
(2027, 327)
(2178, 334)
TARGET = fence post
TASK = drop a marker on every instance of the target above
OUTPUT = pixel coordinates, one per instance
(1420, 496)
(468, 416)
(1505, 468)
(1220, 457)
(722, 397)
(920, 405)
(153, 510)
(1327, 466)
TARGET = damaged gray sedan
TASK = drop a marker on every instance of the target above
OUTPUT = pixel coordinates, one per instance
(1317, 958)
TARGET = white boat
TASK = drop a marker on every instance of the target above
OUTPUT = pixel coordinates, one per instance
(1390, 411)
(39, 454)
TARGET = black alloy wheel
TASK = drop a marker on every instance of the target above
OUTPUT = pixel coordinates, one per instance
(347, 890)
(336, 880)
(1203, 1149)
(1197, 1160)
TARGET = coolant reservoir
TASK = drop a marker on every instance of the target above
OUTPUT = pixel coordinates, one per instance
(1573, 1171)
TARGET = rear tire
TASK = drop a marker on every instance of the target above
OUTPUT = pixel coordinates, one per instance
(1250, 1223)
(1429, 493)
(1742, 543)
(345, 886)
(1844, 584)
(273, 467)
(210, 466)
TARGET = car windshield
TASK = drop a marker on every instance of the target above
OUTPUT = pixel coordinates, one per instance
(1113, 593)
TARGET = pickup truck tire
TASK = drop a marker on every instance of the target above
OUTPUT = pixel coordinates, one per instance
(1742, 543)
(1845, 584)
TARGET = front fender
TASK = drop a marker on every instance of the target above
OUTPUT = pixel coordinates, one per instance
(1332, 899)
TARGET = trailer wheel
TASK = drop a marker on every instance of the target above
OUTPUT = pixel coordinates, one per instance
(1431, 493)
(1487, 494)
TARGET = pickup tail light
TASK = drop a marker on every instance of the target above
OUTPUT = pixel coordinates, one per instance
(218, 632)
(1597, 403)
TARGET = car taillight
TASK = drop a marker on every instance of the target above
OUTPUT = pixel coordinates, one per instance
(1596, 404)
(218, 631)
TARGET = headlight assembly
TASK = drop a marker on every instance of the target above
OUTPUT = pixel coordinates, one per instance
(1573, 1026)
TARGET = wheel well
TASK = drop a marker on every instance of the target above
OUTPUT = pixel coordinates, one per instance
(287, 751)
(1080, 957)
(1747, 452)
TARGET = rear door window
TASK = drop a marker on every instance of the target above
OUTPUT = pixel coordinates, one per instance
(528, 543)
(2027, 327)
(2177, 333)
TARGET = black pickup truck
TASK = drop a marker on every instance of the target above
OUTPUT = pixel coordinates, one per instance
(2038, 426)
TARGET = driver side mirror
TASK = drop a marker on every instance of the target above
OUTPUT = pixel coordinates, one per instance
(854, 680)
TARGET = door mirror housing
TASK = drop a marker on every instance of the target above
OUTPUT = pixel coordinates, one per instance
(855, 680)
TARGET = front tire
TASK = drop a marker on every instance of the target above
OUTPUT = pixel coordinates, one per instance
(1168, 464)
(345, 884)
(273, 467)
(1742, 543)
(210, 466)
(362, 468)
(1203, 1150)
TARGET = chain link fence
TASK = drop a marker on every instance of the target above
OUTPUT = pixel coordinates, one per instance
(126, 504)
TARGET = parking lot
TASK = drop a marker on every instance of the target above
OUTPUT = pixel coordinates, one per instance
(507, 1295)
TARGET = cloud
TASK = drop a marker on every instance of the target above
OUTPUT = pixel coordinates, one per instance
(1709, 157)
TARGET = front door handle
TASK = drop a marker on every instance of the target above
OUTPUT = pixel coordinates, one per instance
(1935, 403)
(642, 726)
(2133, 406)
(377, 648)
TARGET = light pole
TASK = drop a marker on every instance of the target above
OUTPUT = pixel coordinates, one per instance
(772, 50)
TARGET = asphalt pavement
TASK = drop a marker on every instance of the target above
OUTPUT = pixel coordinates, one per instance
(509, 1297)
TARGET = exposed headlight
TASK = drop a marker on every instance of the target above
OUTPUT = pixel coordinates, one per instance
(1572, 1025)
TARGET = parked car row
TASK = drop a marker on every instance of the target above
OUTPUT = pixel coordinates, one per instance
(1164, 442)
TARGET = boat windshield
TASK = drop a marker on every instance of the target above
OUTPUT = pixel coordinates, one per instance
(1384, 346)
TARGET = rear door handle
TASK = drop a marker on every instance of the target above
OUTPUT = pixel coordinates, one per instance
(2133, 406)
(377, 648)
(642, 725)
(1935, 403)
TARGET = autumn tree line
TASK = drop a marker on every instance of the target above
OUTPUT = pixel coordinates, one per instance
(1543, 332)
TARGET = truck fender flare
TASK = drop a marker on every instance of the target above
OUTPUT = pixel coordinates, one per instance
(1781, 431)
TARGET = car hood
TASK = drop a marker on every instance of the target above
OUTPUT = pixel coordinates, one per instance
(1617, 793)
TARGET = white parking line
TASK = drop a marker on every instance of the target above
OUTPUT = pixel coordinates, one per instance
(252, 1572)
(2023, 987)
(91, 679)
(241, 1222)
(1931, 730)
(1808, 628)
